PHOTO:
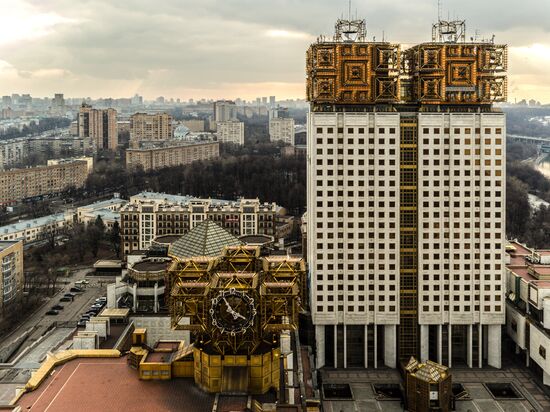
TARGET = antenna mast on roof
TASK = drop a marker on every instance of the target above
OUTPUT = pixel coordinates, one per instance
(351, 30)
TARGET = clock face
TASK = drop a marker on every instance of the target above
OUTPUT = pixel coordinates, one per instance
(232, 311)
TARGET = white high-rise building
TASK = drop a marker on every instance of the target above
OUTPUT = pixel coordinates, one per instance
(281, 130)
(230, 132)
(406, 207)
(225, 110)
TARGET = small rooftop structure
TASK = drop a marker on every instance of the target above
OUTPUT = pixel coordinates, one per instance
(115, 313)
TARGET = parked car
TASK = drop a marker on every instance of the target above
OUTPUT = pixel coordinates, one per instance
(75, 289)
(69, 295)
(81, 322)
(65, 299)
(52, 313)
(57, 307)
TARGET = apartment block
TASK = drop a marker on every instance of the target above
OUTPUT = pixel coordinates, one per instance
(194, 125)
(150, 127)
(282, 130)
(149, 215)
(100, 125)
(58, 176)
(224, 111)
(406, 201)
(230, 132)
(12, 276)
(528, 305)
(170, 155)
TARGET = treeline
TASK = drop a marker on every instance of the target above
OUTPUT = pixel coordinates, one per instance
(529, 225)
(519, 121)
(34, 128)
(255, 171)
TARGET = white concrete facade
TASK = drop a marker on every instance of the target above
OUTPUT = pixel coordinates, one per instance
(230, 131)
(281, 130)
(353, 230)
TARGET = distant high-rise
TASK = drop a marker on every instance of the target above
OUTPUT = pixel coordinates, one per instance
(272, 101)
(282, 130)
(406, 198)
(100, 125)
(58, 101)
(225, 110)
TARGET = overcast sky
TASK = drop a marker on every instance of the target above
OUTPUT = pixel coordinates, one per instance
(231, 48)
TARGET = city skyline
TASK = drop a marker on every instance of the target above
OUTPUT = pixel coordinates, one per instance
(237, 48)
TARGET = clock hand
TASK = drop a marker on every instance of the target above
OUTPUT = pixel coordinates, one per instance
(229, 308)
(238, 315)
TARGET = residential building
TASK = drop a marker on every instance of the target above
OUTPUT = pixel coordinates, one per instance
(38, 229)
(224, 111)
(108, 210)
(16, 151)
(100, 125)
(13, 151)
(150, 127)
(528, 305)
(230, 132)
(194, 125)
(149, 215)
(278, 112)
(169, 155)
(58, 146)
(19, 184)
(12, 276)
(406, 199)
(281, 130)
(34, 230)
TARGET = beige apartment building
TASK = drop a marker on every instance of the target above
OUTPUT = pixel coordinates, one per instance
(195, 125)
(19, 184)
(171, 155)
(11, 275)
(99, 124)
(149, 215)
(230, 131)
(150, 127)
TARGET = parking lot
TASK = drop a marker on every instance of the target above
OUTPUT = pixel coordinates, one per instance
(39, 322)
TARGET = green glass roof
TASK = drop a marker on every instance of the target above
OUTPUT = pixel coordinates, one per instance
(205, 239)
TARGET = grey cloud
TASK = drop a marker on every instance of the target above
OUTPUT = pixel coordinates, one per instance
(191, 43)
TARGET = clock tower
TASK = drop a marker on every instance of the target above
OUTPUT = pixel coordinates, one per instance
(236, 306)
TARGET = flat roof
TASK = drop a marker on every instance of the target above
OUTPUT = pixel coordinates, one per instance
(158, 357)
(542, 269)
(166, 239)
(103, 203)
(115, 312)
(150, 266)
(4, 244)
(522, 271)
(106, 214)
(32, 223)
(110, 385)
(519, 249)
(108, 264)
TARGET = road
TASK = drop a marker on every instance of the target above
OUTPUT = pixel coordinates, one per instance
(40, 322)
